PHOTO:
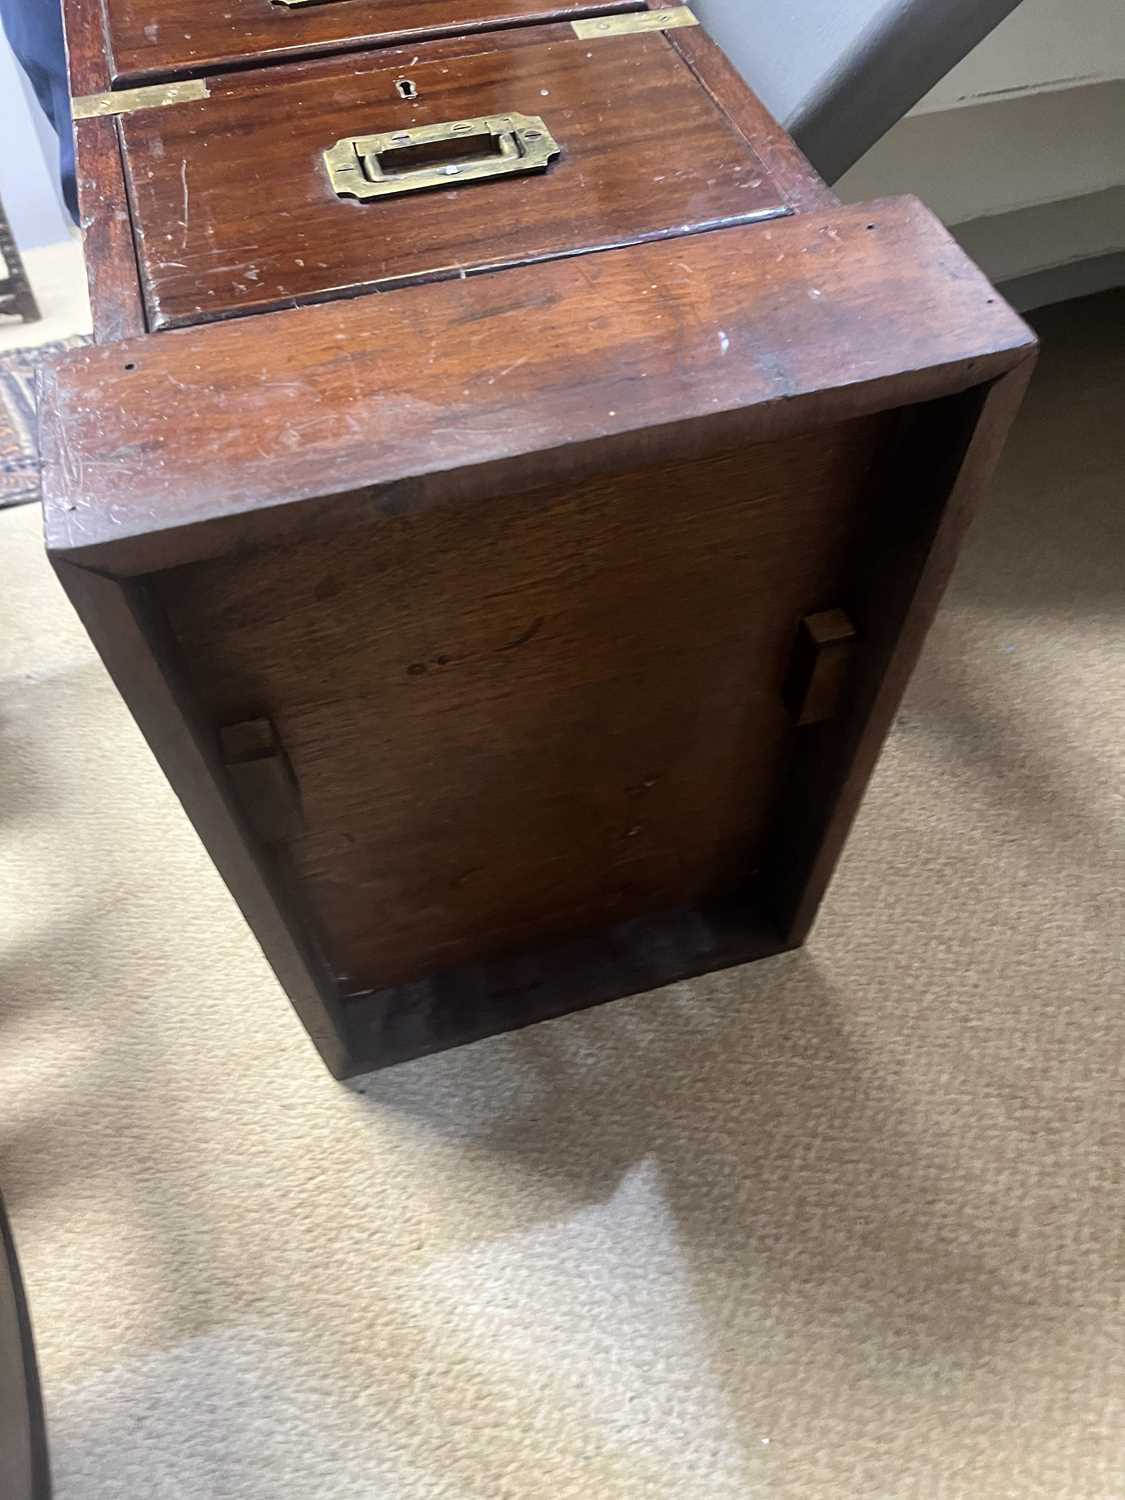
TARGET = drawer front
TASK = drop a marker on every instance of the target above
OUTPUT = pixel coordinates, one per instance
(325, 180)
(161, 39)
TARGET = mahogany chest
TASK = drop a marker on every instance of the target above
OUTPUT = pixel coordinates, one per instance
(508, 488)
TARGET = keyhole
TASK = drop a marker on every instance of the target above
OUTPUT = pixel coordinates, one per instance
(406, 88)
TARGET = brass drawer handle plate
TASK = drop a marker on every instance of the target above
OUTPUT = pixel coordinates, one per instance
(432, 156)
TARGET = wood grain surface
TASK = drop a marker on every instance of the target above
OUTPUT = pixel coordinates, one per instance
(87, 58)
(234, 211)
(111, 254)
(116, 301)
(550, 713)
(513, 569)
(156, 39)
(116, 304)
(790, 169)
(165, 450)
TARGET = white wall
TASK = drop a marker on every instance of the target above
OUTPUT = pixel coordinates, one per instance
(785, 47)
(1022, 146)
(28, 157)
(1025, 149)
(1023, 142)
(1044, 45)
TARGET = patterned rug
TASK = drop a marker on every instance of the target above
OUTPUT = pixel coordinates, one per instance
(19, 423)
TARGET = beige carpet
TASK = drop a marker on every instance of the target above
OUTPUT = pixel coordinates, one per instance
(848, 1224)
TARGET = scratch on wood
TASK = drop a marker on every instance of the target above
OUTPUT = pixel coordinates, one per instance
(184, 218)
(528, 635)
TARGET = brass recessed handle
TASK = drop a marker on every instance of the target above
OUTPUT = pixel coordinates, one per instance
(432, 156)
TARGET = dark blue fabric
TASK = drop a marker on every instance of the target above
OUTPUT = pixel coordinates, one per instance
(34, 28)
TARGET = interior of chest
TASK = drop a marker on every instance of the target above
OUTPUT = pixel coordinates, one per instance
(551, 714)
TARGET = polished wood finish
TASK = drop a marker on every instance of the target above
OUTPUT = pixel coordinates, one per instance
(112, 274)
(247, 432)
(103, 205)
(512, 569)
(161, 39)
(102, 201)
(111, 257)
(520, 640)
(234, 212)
(777, 151)
(88, 65)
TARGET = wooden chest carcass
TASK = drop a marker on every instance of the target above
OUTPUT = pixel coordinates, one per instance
(509, 490)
